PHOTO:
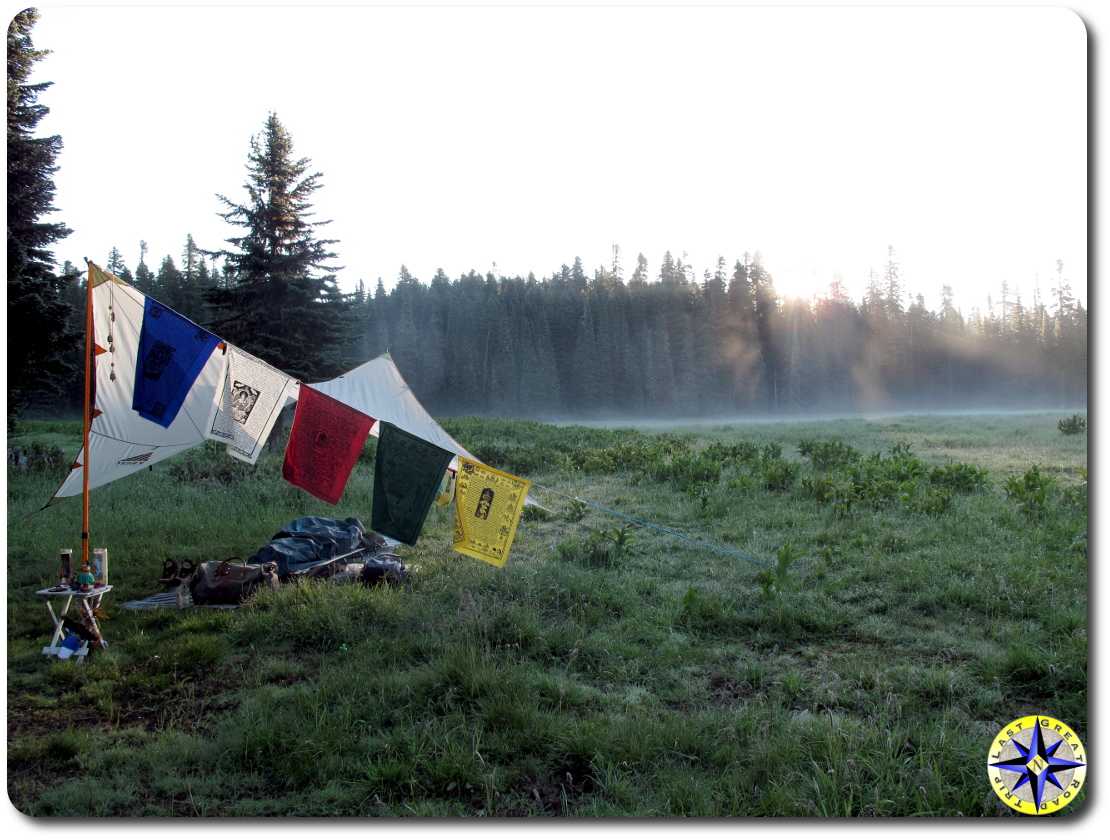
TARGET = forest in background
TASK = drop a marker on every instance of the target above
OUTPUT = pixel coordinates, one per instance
(664, 344)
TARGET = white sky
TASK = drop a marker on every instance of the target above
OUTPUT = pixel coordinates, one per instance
(456, 137)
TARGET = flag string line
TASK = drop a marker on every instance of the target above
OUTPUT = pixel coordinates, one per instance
(656, 527)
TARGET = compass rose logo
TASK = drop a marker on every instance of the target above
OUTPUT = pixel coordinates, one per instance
(1037, 765)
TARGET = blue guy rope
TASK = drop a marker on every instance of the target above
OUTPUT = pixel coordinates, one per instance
(656, 527)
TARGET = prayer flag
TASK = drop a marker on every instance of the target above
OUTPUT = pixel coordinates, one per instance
(446, 493)
(172, 352)
(324, 443)
(250, 401)
(407, 475)
(487, 509)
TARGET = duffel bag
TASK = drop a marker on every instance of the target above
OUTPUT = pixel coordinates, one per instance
(230, 582)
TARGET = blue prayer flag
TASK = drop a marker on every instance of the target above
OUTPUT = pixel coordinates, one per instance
(172, 352)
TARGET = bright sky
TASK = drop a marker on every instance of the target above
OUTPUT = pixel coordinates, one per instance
(457, 137)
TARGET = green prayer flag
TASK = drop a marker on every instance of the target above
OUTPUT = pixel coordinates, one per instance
(407, 474)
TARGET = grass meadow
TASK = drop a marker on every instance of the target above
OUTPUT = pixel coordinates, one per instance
(921, 582)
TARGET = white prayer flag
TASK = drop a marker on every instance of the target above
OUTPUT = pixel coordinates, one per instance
(253, 395)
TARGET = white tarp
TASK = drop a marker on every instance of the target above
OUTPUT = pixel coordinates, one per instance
(377, 388)
(122, 442)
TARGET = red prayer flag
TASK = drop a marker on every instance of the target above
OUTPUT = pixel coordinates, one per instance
(324, 443)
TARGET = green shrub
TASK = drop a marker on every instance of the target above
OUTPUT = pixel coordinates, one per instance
(919, 497)
(775, 581)
(828, 454)
(603, 547)
(778, 474)
(817, 487)
(532, 513)
(771, 451)
(578, 509)
(734, 454)
(687, 472)
(960, 477)
(1074, 425)
(1033, 492)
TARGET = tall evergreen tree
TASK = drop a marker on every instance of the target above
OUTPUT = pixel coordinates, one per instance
(892, 282)
(711, 316)
(36, 351)
(742, 348)
(640, 274)
(376, 325)
(144, 277)
(168, 285)
(115, 264)
(768, 326)
(281, 301)
(195, 283)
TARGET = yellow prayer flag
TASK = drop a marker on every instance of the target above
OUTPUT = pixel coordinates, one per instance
(488, 503)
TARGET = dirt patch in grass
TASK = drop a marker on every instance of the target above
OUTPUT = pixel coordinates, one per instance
(554, 797)
(724, 689)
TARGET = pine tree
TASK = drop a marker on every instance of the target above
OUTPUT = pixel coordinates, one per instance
(194, 283)
(768, 325)
(640, 274)
(668, 271)
(36, 351)
(742, 349)
(167, 285)
(711, 317)
(892, 283)
(376, 324)
(115, 264)
(144, 277)
(281, 301)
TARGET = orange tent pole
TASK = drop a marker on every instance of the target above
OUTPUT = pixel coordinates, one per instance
(90, 349)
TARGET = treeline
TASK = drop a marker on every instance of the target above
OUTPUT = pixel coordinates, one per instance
(664, 344)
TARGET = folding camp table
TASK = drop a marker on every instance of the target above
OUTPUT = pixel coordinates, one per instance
(87, 602)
